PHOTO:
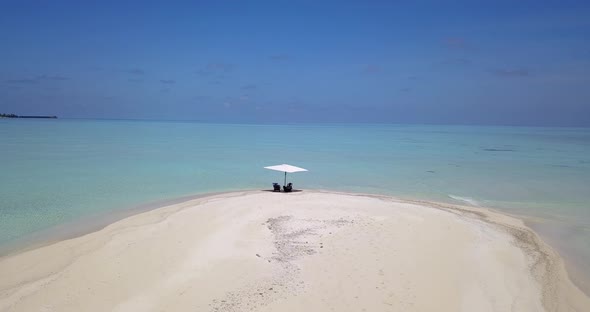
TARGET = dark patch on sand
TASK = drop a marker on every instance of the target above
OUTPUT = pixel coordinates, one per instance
(293, 239)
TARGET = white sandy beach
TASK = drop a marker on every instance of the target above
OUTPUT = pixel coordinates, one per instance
(315, 251)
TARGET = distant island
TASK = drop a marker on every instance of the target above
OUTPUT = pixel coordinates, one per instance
(17, 116)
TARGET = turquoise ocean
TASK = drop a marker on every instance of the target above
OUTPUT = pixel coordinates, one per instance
(55, 172)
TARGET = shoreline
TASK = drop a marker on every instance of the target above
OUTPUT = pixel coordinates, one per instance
(547, 259)
(90, 224)
(93, 223)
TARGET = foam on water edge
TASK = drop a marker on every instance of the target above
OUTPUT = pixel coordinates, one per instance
(467, 200)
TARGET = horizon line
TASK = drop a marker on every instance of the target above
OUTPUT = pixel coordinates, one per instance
(316, 122)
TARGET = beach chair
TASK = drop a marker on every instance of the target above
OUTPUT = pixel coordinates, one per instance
(276, 187)
(288, 188)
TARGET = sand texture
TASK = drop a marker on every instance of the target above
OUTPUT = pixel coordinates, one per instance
(303, 251)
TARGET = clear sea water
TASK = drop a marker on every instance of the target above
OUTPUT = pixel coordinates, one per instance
(59, 171)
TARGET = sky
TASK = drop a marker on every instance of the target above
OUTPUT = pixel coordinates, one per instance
(426, 62)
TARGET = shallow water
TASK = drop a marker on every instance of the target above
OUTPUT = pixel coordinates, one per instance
(58, 171)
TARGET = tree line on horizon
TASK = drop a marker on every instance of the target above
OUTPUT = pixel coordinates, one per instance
(2, 115)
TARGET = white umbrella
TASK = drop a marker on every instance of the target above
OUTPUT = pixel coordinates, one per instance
(285, 168)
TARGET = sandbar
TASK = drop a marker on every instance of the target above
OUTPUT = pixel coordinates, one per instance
(308, 250)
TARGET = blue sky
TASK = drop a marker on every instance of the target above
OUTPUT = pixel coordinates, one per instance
(473, 62)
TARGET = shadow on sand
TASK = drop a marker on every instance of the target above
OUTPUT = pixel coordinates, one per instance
(292, 191)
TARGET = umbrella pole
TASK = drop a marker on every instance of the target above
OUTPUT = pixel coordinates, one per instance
(285, 184)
